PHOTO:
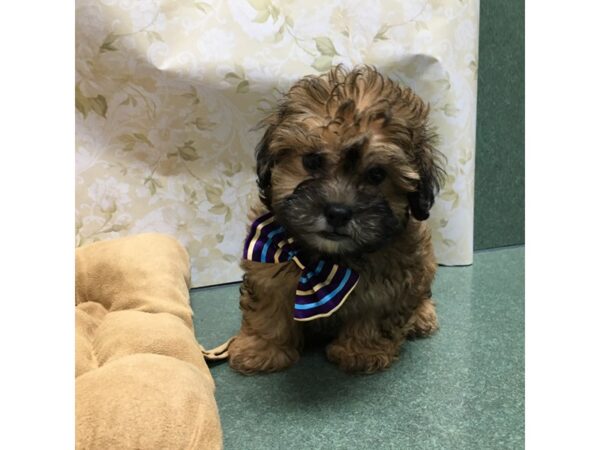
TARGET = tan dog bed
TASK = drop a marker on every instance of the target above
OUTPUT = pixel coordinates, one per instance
(141, 379)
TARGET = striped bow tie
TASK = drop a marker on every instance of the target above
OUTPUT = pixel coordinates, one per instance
(323, 287)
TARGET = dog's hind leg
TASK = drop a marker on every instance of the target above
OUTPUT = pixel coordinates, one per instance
(424, 321)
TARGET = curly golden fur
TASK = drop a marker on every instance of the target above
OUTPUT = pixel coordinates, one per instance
(360, 142)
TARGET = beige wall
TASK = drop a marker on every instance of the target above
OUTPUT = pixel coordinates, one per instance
(167, 92)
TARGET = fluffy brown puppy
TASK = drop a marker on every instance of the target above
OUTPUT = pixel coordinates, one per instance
(347, 166)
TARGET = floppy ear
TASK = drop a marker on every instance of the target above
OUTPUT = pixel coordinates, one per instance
(428, 160)
(264, 164)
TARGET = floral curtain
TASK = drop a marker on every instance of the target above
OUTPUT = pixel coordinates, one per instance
(167, 92)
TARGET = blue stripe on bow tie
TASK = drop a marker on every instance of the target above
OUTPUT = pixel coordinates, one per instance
(263, 255)
(329, 296)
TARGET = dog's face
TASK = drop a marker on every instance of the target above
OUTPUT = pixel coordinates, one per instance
(346, 159)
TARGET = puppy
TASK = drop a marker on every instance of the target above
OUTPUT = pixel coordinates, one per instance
(348, 169)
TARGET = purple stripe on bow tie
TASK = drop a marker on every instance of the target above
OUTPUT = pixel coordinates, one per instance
(266, 237)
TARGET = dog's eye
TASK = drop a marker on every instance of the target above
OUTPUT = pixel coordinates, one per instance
(312, 161)
(375, 175)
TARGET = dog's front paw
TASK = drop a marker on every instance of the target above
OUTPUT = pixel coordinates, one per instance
(362, 360)
(251, 354)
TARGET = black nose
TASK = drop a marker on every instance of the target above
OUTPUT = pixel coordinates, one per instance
(337, 215)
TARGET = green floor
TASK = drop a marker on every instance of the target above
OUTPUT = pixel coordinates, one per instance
(461, 389)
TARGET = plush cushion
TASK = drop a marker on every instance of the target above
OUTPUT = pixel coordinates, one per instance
(141, 379)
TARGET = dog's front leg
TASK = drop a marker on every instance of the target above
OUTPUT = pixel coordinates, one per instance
(367, 345)
(269, 338)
